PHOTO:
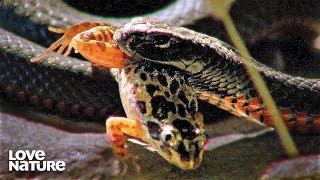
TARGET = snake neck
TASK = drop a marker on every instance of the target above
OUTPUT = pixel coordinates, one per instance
(216, 72)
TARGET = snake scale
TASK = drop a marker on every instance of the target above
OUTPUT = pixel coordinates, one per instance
(207, 66)
(23, 17)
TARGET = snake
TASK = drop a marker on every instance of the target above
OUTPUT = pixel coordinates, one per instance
(48, 93)
(194, 66)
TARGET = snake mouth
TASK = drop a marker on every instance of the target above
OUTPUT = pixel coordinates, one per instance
(123, 41)
(133, 38)
(146, 39)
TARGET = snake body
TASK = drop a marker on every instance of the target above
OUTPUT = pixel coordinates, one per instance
(215, 72)
(171, 69)
(23, 17)
(31, 19)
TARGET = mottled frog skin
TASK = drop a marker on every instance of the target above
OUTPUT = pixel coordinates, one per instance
(167, 108)
(163, 71)
(215, 71)
(161, 108)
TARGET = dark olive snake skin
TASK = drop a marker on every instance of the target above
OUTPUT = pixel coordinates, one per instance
(39, 87)
(56, 88)
(49, 88)
(215, 70)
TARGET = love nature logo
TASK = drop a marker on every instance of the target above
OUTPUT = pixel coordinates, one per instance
(32, 160)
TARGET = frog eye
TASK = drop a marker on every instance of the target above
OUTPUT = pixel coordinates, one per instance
(167, 138)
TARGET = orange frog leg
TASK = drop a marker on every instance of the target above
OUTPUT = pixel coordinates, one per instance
(94, 41)
(117, 128)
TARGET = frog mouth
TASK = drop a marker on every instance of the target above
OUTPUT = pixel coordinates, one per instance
(150, 147)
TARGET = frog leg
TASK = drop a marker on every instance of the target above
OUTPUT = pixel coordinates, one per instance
(117, 128)
(97, 46)
(65, 40)
(93, 40)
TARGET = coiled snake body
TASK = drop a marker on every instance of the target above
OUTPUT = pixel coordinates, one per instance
(214, 70)
(173, 67)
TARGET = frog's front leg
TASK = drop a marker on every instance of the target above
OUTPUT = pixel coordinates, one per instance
(94, 41)
(117, 129)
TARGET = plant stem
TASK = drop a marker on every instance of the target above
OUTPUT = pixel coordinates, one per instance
(261, 87)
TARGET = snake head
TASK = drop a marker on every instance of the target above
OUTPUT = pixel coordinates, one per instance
(150, 40)
(178, 134)
(146, 38)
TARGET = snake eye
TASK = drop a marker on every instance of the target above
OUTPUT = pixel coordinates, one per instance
(161, 41)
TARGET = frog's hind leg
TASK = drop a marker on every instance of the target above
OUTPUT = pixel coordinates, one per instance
(97, 45)
(65, 40)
